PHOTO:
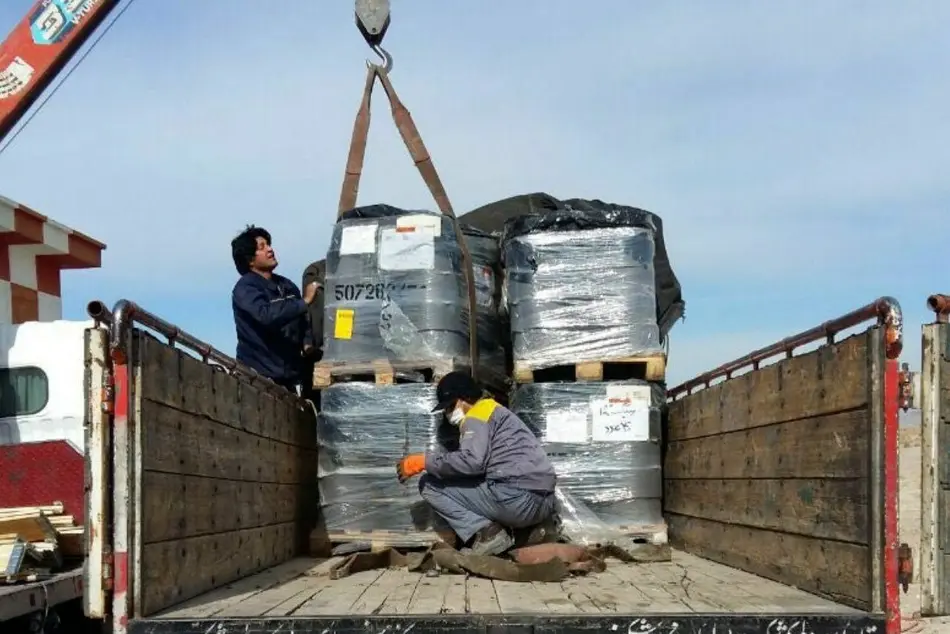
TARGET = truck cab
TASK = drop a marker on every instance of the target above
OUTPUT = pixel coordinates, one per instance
(41, 383)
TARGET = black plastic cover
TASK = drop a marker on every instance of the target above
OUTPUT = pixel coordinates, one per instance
(528, 213)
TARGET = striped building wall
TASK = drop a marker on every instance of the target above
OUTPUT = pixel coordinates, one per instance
(34, 250)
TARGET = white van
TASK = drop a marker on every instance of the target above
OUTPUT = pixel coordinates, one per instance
(41, 382)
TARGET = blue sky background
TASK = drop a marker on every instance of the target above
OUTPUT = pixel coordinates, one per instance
(798, 152)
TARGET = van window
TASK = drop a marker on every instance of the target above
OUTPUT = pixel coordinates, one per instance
(23, 391)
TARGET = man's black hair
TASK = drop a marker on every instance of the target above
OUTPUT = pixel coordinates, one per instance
(244, 247)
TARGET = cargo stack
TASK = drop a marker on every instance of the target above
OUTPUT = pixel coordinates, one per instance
(591, 299)
(396, 319)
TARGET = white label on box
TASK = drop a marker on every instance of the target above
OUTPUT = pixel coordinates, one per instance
(424, 223)
(406, 250)
(358, 239)
(618, 422)
(633, 395)
(566, 427)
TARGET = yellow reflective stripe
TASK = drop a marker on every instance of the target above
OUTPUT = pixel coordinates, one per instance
(482, 410)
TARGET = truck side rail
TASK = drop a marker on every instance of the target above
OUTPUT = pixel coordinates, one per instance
(213, 466)
(789, 470)
(935, 460)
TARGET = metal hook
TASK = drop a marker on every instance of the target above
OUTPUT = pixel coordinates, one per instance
(384, 55)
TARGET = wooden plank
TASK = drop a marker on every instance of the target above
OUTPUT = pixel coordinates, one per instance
(160, 370)
(836, 570)
(755, 593)
(398, 600)
(833, 446)
(33, 527)
(180, 506)
(830, 509)
(176, 570)
(383, 371)
(314, 578)
(56, 508)
(657, 599)
(675, 579)
(339, 596)
(456, 599)
(482, 598)
(381, 539)
(221, 599)
(833, 378)
(429, 596)
(183, 443)
(197, 386)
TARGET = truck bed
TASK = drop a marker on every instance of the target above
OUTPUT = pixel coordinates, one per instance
(688, 584)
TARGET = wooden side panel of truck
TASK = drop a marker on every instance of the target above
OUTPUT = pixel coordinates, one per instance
(780, 488)
(777, 460)
(935, 474)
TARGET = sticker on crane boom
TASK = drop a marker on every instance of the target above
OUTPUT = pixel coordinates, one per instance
(54, 20)
(15, 77)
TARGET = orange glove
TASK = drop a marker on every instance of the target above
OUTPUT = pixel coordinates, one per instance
(411, 465)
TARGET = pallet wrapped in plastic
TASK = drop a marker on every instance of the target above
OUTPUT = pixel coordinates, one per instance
(604, 439)
(395, 289)
(362, 431)
(581, 285)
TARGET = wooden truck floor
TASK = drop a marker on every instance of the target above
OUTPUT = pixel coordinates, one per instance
(297, 591)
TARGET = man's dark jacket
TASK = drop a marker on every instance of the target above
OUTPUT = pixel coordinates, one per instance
(271, 322)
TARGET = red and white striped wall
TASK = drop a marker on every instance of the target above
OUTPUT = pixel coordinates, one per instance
(33, 252)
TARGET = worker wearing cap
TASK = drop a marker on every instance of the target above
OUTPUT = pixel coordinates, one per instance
(498, 479)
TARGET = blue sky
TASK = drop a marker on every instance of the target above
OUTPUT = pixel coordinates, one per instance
(797, 151)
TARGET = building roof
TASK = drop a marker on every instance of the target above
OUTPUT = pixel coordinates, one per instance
(70, 249)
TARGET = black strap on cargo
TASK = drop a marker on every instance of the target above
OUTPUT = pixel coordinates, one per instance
(372, 18)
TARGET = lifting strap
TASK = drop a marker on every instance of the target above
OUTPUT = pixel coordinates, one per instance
(423, 162)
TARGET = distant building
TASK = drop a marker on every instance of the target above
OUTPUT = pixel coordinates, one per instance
(33, 252)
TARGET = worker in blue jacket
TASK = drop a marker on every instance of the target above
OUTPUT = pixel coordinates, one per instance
(270, 315)
(499, 478)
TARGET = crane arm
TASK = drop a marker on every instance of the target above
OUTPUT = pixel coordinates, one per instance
(39, 47)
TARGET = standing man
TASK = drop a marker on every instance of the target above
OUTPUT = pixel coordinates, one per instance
(270, 316)
(498, 480)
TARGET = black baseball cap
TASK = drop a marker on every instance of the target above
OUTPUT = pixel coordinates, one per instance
(453, 386)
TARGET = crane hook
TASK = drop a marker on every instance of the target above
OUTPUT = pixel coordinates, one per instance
(373, 19)
(384, 55)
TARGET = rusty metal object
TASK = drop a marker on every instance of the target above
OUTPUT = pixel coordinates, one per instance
(126, 312)
(97, 310)
(886, 310)
(940, 305)
(905, 566)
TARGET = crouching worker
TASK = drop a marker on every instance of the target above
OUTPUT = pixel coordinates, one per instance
(498, 479)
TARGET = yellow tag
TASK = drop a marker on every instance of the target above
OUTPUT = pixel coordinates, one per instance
(343, 326)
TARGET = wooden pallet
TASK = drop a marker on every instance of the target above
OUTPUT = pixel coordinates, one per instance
(381, 372)
(648, 368)
(378, 539)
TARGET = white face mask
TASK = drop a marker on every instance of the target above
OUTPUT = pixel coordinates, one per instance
(457, 417)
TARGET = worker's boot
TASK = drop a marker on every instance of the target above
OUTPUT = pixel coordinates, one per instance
(492, 540)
